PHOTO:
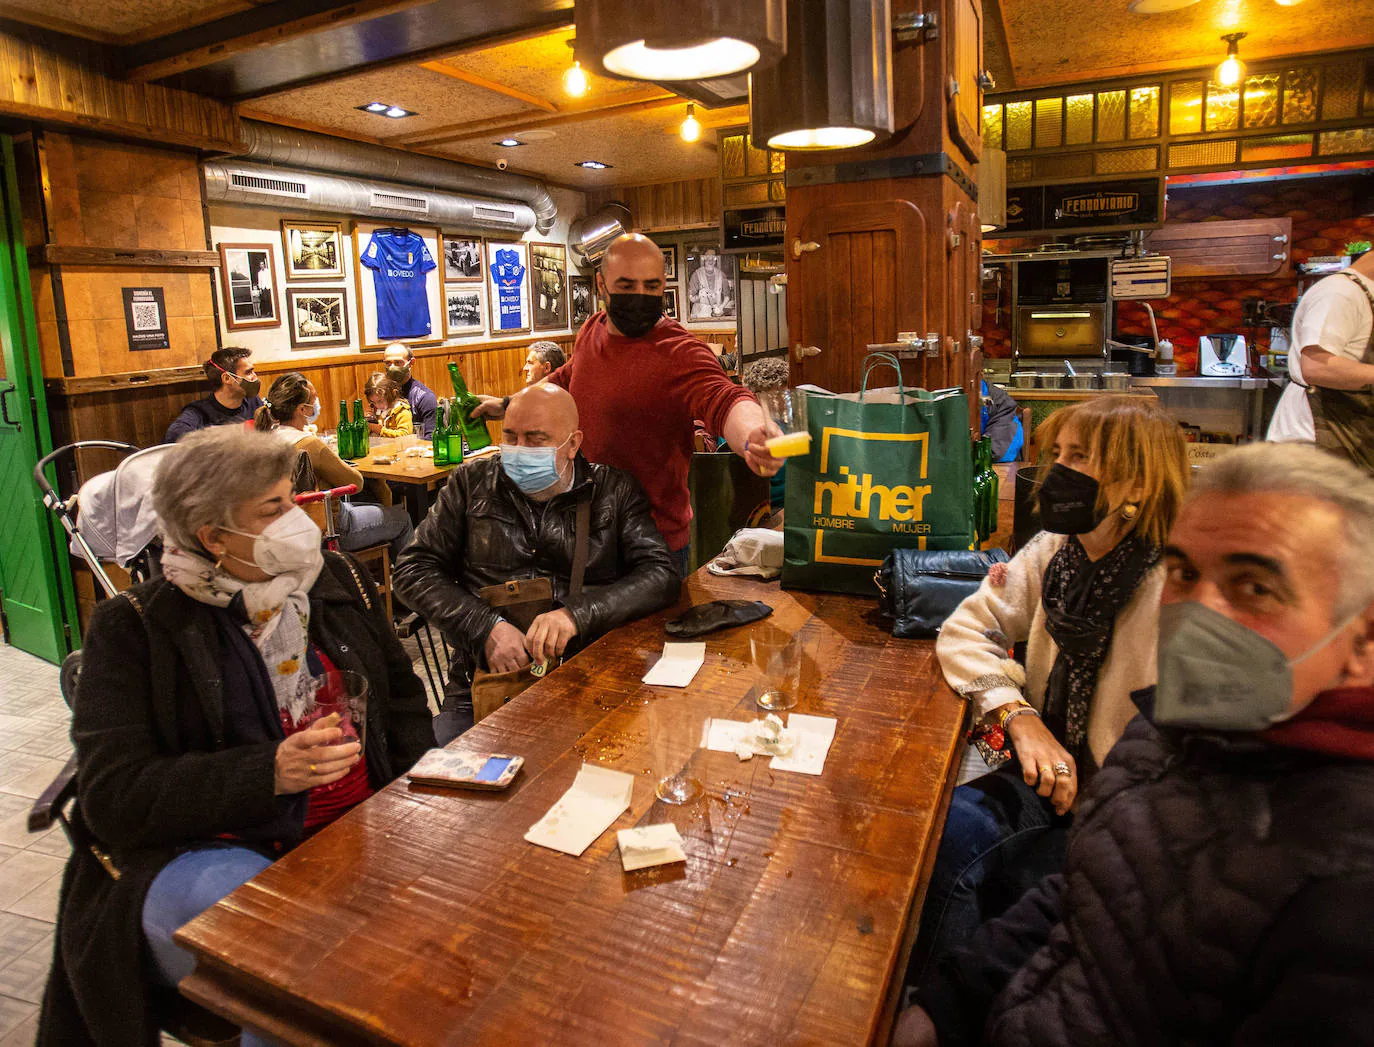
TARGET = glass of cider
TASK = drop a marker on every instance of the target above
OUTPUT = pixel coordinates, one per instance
(785, 410)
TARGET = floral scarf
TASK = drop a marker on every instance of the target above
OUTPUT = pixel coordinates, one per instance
(275, 616)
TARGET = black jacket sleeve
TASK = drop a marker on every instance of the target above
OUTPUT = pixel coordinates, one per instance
(959, 994)
(647, 576)
(426, 574)
(132, 794)
(1310, 982)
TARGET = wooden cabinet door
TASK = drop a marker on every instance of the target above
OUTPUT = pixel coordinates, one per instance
(964, 66)
(863, 283)
(1252, 247)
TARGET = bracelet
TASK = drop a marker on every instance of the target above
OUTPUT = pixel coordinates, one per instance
(1014, 710)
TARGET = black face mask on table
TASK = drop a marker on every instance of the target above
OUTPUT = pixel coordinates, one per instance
(634, 315)
(1068, 501)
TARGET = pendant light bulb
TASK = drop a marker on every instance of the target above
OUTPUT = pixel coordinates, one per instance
(691, 127)
(1231, 70)
(575, 80)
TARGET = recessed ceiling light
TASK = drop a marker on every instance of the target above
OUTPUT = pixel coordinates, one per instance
(510, 143)
(592, 165)
(375, 107)
(1158, 7)
(396, 112)
(385, 109)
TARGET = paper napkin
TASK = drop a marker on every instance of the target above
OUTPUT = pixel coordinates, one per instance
(678, 665)
(650, 845)
(814, 735)
(597, 798)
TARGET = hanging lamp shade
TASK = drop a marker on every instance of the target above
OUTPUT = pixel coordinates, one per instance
(833, 87)
(665, 40)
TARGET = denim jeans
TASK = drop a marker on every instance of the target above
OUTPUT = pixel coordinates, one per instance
(188, 885)
(362, 525)
(1000, 839)
(683, 557)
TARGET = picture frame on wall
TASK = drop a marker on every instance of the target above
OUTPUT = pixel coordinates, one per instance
(581, 299)
(248, 281)
(549, 286)
(465, 308)
(318, 317)
(670, 303)
(712, 284)
(399, 284)
(670, 262)
(462, 259)
(313, 250)
(507, 280)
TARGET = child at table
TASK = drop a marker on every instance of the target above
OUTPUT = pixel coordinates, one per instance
(390, 411)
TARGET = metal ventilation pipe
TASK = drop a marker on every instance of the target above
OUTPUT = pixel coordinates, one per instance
(271, 144)
(589, 236)
(231, 182)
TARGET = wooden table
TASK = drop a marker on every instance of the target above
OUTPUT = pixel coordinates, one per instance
(423, 917)
(419, 475)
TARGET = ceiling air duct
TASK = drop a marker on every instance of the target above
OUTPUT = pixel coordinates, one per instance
(833, 87)
(255, 185)
(288, 147)
(591, 235)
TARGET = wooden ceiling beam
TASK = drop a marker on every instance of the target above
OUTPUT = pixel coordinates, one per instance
(444, 69)
(628, 102)
(195, 58)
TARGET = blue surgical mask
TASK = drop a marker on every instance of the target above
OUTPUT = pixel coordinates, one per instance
(314, 411)
(532, 469)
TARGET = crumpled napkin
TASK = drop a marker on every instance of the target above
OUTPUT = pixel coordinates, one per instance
(766, 737)
(752, 550)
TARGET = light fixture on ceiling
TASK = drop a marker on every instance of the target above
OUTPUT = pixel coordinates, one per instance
(374, 107)
(833, 87)
(691, 126)
(593, 165)
(575, 78)
(1158, 7)
(509, 143)
(395, 112)
(1288, 3)
(1231, 71)
(646, 39)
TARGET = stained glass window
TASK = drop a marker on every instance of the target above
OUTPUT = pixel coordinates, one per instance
(1341, 96)
(1223, 107)
(1185, 107)
(1122, 161)
(1078, 129)
(1111, 116)
(732, 156)
(1261, 102)
(1299, 95)
(1049, 122)
(1018, 125)
(1353, 140)
(992, 126)
(1145, 112)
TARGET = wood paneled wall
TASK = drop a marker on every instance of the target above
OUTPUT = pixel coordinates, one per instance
(58, 79)
(693, 204)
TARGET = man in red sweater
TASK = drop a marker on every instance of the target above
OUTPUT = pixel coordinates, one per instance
(640, 381)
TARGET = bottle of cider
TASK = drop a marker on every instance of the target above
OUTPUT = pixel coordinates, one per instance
(473, 430)
(344, 434)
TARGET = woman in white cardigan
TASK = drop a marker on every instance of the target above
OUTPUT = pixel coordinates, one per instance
(1083, 596)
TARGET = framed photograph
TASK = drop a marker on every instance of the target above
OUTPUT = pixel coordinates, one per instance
(319, 316)
(462, 259)
(248, 278)
(581, 299)
(314, 250)
(399, 285)
(669, 263)
(549, 286)
(712, 283)
(670, 302)
(507, 285)
(464, 309)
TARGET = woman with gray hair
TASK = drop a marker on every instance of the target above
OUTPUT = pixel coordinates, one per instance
(201, 753)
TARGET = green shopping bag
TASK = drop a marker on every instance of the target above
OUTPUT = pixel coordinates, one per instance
(888, 469)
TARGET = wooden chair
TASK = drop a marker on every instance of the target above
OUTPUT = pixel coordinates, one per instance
(377, 559)
(1025, 455)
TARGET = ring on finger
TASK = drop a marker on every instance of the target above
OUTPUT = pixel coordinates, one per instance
(1061, 770)
(312, 768)
(1044, 771)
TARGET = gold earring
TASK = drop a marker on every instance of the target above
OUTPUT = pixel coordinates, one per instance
(1130, 511)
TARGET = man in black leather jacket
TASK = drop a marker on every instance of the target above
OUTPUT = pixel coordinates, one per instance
(514, 516)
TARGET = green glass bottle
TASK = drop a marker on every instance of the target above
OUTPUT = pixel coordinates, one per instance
(343, 435)
(360, 441)
(473, 431)
(439, 438)
(994, 487)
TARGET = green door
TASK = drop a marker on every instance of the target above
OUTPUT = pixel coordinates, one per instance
(36, 594)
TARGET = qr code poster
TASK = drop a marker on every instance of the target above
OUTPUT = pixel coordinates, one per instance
(145, 318)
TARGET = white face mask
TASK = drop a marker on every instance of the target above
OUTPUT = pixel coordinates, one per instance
(314, 411)
(290, 544)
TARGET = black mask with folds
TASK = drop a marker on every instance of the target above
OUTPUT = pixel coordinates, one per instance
(634, 315)
(1068, 501)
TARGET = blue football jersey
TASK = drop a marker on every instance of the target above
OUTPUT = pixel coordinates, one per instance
(399, 260)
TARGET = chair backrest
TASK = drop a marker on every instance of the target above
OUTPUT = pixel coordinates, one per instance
(303, 479)
(1027, 453)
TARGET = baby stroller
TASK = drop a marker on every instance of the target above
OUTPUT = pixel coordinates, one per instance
(109, 519)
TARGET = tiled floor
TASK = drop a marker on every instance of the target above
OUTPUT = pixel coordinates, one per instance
(34, 745)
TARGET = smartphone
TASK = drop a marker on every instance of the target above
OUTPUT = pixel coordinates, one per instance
(464, 770)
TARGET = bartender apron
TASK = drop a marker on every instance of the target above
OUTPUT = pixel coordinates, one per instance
(1344, 418)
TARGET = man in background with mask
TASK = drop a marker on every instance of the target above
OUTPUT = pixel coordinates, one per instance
(641, 381)
(515, 516)
(234, 394)
(1220, 873)
(423, 403)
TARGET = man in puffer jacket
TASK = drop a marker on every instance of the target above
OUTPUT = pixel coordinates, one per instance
(1219, 885)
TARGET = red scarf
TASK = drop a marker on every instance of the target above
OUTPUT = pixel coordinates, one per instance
(1339, 722)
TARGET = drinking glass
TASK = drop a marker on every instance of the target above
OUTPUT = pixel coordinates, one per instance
(675, 728)
(343, 692)
(785, 410)
(777, 656)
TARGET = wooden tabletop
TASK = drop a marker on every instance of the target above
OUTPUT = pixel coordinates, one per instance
(417, 469)
(423, 917)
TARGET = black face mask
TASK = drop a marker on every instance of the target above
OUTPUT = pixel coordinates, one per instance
(634, 315)
(398, 374)
(1068, 501)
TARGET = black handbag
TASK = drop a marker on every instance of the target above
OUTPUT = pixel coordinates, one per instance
(920, 588)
